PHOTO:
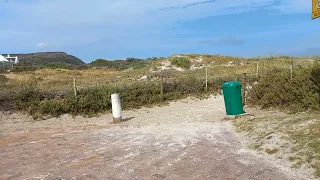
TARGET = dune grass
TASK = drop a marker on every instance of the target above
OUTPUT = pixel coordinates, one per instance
(218, 67)
(299, 137)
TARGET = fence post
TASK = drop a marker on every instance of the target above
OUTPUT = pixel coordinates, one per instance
(244, 88)
(161, 87)
(291, 69)
(257, 73)
(116, 108)
(75, 88)
(206, 78)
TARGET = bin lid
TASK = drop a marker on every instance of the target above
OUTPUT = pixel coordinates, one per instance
(231, 84)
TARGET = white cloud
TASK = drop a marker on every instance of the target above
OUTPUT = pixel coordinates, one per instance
(41, 45)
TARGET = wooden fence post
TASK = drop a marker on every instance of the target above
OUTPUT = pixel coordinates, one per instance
(206, 78)
(75, 88)
(257, 72)
(161, 87)
(244, 88)
(291, 69)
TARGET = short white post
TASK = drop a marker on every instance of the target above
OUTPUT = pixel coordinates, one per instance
(116, 108)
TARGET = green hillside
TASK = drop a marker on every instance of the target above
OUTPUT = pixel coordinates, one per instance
(122, 64)
(48, 58)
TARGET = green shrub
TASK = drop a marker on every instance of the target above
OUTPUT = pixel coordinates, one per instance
(186, 86)
(140, 94)
(277, 89)
(182, 62)
(81, 67)
(57, 66)
(6, 102)
(25, 67)
(28, 99)
(121, 64)
(18, 69)
(315, 77)
(54, 107)
(94, 100)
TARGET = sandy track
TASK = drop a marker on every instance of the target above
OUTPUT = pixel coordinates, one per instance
(180, 141)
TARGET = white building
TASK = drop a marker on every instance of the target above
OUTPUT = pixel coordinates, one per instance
(3, 59)
(9, 59)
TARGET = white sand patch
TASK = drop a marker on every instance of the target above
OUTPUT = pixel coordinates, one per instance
(194, 67)
(178, 68)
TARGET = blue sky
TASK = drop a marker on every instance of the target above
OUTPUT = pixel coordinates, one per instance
(116, 29)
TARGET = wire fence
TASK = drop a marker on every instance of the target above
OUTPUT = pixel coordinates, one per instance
(164, 86)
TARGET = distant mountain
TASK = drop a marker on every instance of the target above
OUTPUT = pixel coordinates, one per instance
(48, 58)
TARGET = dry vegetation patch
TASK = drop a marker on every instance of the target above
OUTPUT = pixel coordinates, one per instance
(292, 140)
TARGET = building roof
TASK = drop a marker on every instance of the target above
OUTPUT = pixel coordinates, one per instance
(3, 59)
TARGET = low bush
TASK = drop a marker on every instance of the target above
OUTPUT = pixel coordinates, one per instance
(277, 89)
(18, 69)
(182, 62)
(315, 78)
(27, 68)
(6, 102)
(121, 64)
(94, 100)
(81, 67)
(54, 107)
(57, 66)
(28, 99)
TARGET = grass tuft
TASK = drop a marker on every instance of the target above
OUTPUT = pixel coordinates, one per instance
(271, 150)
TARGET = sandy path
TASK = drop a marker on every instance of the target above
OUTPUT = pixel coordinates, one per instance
(180, 141)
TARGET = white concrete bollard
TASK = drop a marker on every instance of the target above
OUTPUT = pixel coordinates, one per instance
(116, 108)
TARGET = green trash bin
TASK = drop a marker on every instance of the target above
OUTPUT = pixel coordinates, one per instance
(233, 98)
